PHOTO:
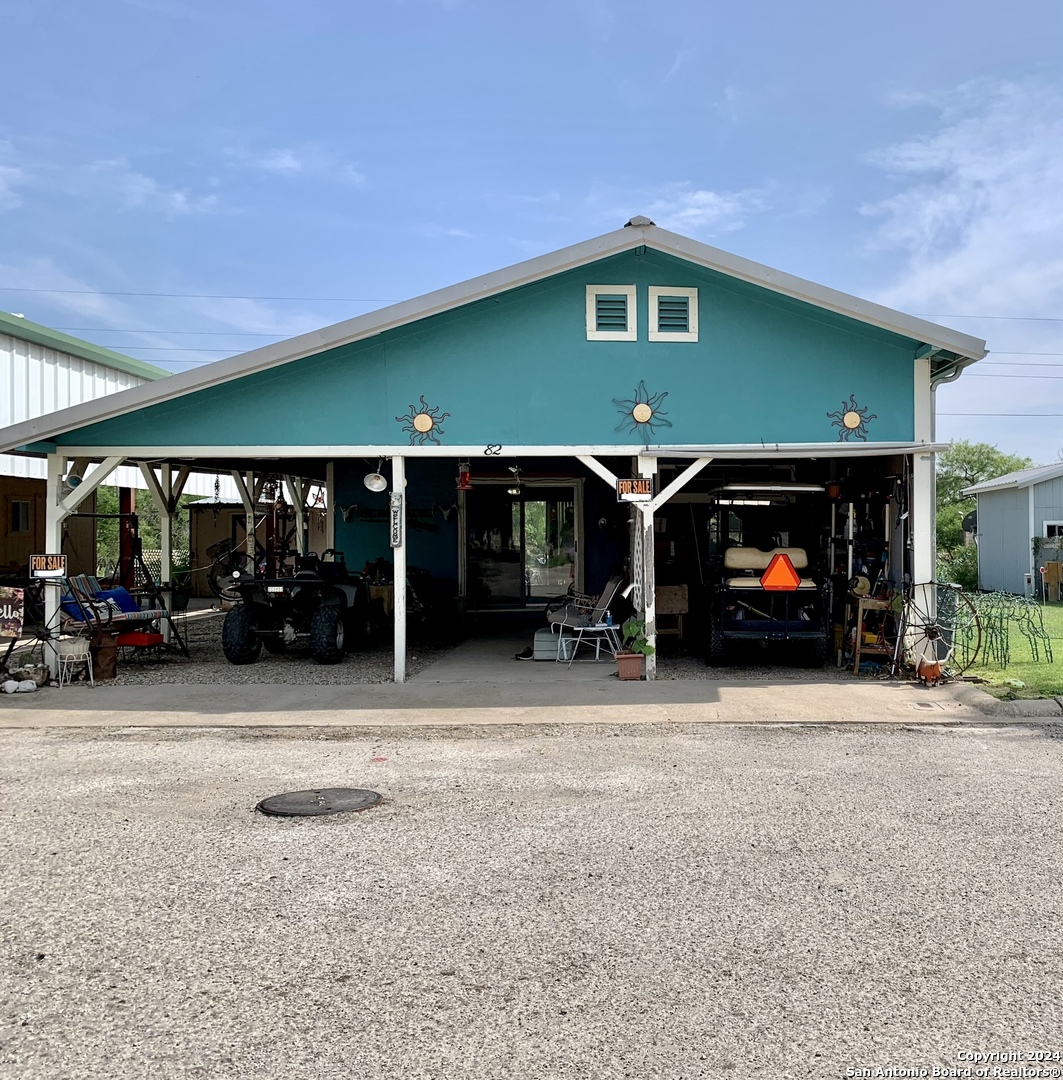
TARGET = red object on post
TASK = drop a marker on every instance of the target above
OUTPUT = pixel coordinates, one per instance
(780, 575)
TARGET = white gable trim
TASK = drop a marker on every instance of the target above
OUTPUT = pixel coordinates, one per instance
(466, 292)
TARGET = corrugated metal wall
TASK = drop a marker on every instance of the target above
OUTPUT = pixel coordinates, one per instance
(1003, 540)
(35, 380)
(1047, 503)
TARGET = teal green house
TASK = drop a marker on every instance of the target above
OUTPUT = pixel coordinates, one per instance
(504, 410)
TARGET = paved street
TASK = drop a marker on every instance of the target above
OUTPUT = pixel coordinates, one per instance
(721, 901)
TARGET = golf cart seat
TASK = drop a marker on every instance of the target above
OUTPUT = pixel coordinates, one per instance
(752, 562)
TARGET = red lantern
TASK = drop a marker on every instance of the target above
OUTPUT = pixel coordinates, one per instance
(464, 477)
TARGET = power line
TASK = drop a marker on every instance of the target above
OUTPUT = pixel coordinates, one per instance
(224, 333)
(1010, 318)
(200, 296)
(1009, 375)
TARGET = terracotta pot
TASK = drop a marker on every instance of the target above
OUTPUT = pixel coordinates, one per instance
(629, 665)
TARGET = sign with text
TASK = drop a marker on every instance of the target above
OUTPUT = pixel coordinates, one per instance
(637, 490)
(47, 566)
(12, 608)
(396, 519)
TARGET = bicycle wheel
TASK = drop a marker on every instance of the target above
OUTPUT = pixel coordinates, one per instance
(225, 574)
(940, 625)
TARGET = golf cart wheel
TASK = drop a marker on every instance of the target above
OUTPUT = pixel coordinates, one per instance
(327, 635)
(717, 654)
(813, 654)
(239, 641)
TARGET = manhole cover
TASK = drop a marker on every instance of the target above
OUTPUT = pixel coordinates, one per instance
(329, 800)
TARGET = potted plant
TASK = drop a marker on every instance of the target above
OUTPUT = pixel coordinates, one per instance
(629, 661)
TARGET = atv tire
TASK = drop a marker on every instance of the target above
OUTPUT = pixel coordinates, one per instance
(239, 641)
(814, 653)
(327, 635)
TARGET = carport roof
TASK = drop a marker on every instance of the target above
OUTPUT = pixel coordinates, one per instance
(950, 350)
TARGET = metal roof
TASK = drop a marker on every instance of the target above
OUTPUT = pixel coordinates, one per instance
(933, 338)
(1023, 478)
(20, 327)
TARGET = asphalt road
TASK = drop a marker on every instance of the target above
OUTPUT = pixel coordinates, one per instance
(726, 902)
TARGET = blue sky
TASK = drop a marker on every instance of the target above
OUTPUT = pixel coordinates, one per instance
(353, 154)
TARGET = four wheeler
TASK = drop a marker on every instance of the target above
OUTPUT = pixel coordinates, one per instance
(322, 607)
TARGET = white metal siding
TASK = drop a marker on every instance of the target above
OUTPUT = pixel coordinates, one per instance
(35, 380)
(1047, 503)
(1003, 546)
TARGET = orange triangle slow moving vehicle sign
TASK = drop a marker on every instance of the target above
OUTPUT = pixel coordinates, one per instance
(780, 575)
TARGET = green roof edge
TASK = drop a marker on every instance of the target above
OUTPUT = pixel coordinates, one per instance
(16, 326)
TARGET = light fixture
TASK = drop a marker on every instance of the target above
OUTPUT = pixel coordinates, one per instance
(513, 491)
(757, 485)
(464, 476)
(376, 481)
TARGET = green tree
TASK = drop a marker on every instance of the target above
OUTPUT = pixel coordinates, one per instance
(961, 466)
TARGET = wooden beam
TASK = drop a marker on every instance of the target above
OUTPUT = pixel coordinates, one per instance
(597, 467)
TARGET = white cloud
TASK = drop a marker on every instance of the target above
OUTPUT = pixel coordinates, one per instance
(142, 192)
(312, 161)
(976, 218)
(687, 209)
(980, 209)
(10, 176)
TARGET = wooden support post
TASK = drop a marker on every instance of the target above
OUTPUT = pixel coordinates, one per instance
(398, 544)
(127, 504)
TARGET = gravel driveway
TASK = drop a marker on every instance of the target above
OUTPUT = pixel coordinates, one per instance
(779, 902)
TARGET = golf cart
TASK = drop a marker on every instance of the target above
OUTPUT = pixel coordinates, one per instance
(767, 591)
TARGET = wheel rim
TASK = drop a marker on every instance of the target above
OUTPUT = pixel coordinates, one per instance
(339, 635)
(940, 625)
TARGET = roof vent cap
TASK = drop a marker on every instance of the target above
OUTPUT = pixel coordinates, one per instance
(638, 219)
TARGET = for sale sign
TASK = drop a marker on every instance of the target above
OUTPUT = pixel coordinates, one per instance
(637, 490)
(47, 566)
(12, 608)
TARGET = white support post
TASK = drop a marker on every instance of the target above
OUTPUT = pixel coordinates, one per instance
(87, 486)
(244, 487)
(922, 511)
(598, 469)
(398, 502)
(54, 515)
(161, 494)
(297, 497)
(647, 466)
(330, 505)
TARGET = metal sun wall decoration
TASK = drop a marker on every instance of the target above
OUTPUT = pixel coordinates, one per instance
(851, 420)
(423, 424)
(642, 411)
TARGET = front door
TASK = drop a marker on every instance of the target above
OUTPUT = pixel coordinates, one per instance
(520, 544)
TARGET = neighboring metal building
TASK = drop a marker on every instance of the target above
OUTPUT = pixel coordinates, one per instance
(1013, 510)
(525, 405)
(42, 371)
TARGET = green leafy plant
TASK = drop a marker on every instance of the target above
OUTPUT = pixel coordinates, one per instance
(634, 633)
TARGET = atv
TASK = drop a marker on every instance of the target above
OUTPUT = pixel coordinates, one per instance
(322, 607)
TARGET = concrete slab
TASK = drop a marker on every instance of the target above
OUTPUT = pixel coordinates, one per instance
(479, 683)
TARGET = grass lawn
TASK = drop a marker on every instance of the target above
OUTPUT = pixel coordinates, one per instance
(1041, 678)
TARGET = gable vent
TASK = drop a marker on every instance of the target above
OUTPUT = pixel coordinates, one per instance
(610, 312)
(673, 314)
